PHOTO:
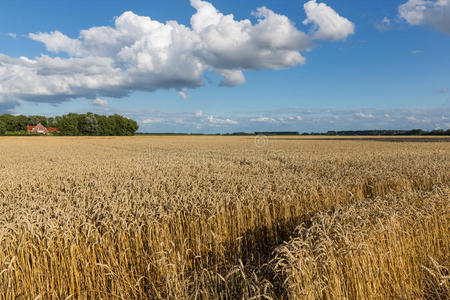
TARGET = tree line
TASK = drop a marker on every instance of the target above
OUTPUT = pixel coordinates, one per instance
(71, 124)
(412, 132)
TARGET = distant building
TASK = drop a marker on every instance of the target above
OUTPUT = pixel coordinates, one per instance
(41, 129)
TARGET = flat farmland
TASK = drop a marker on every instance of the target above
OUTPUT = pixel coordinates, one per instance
(216, 217)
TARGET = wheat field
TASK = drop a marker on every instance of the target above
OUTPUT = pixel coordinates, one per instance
(223, 218)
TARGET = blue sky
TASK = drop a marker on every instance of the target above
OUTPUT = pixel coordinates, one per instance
(383, 64)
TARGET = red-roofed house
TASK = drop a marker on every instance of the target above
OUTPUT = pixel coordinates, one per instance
(39, 128)
(51, 130)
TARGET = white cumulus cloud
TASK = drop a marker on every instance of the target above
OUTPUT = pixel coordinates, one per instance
(328, 23)
(364, 116)
(151, 121)
(218, 121)
(142, 54)
(100, 102)
(57, 42)
(424, 12)
(183, 94)
(264, 120)
(289, 119)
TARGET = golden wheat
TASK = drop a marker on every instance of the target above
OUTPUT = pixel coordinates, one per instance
(388, 248)
(200, 218)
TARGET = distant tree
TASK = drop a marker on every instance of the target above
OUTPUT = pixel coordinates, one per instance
(34, 120)
(437, 132)
(9, 122)
(88, 124)
(21, 123)
(106, 125)
(14, 123)
(119, 124)
(57, 119)
(51, 122)
(2, 127)
(124, 126)
(68, 124)
(416, 132)
(131, 127)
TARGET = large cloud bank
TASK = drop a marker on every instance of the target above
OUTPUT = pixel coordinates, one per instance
(423, 12)
(139, 53)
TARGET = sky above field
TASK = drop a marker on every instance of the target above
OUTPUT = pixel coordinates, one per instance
(227, 66)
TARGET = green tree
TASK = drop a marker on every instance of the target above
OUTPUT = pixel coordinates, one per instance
(34, 120)
(21, 123)
(132, 127)
(416, 132)
(106, 125)
(2, 127)
(68, 124)
(88, 124)
(51, 122)
(124, 126)
(9, 122)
